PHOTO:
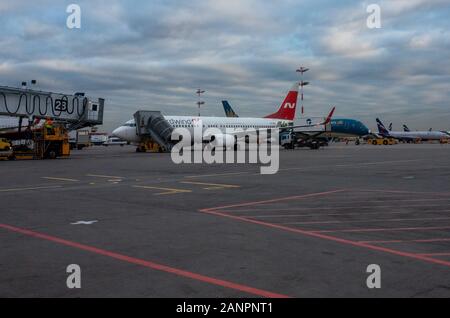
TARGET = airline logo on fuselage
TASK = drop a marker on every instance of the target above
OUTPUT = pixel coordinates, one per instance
(289, 105)
(183, 122)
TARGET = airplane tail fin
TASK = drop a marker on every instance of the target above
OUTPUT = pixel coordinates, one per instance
(288, 107)
(330, 116)
(381, 129)
(229, 112)
(405, 128)
(390, 127)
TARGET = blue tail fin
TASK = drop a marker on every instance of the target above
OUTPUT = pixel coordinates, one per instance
(381, 129)
(405, 128)
(229, 112)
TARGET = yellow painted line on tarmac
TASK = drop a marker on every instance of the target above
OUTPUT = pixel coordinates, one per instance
(217, 174)
(167, 190)
(60, 179)
(212, 186)
(29, 188)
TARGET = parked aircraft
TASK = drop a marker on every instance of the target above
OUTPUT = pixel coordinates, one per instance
(409, 136)
(340, 128)
(281, 119)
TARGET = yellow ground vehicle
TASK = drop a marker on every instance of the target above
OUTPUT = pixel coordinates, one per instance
(46, 143)
(4, 145)
(5, 149)
(148, 145)
(51, 143)
(382, 141)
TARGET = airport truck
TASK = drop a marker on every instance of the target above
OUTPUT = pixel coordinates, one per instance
(290, 140)
(5, 149)
(79, 139)
(5, 145)
(42, 143)
(382, 141)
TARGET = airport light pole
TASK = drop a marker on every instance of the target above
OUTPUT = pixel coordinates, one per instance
(303, 84)
(200, 102)
(302, 70)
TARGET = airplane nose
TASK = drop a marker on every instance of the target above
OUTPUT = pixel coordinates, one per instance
(119, 132)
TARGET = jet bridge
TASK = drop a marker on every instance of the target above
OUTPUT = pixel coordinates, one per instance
(152, 124)
(77, 111)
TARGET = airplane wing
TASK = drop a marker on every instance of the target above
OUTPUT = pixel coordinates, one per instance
(241, 133)
(327, 121)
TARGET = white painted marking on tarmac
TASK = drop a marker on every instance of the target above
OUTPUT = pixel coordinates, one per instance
(103, 176)
(29, 188)
(84, 222)
(60, 179)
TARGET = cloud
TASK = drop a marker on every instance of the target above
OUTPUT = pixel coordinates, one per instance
(155, 54)
(350, 44)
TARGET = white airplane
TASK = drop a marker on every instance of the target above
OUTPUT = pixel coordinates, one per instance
(284, 117)
(408, 135)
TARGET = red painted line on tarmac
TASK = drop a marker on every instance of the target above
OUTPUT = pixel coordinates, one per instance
(334, 207)
(407, 241)
(269, 216)
(148, 264)
(320, 234)
(402, 192)
(330, 238)
(369, 221)
(304, 196)
(436, 254)
(384, 229)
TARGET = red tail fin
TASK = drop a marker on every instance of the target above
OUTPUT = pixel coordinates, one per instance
(330, 116)
(287, 108)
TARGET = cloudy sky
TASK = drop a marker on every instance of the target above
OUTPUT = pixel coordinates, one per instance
(154, 55)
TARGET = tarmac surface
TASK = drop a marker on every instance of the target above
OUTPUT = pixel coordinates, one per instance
(139, 225)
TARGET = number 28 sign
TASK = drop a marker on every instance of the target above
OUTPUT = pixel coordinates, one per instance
(61, 105)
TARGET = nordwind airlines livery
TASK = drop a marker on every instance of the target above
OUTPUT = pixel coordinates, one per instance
(284, 117)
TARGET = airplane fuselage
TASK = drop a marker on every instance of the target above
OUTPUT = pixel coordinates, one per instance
(128, 130)
(341, 128)
(422, 135)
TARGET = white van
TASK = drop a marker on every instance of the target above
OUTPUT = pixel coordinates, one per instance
(113, 141)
